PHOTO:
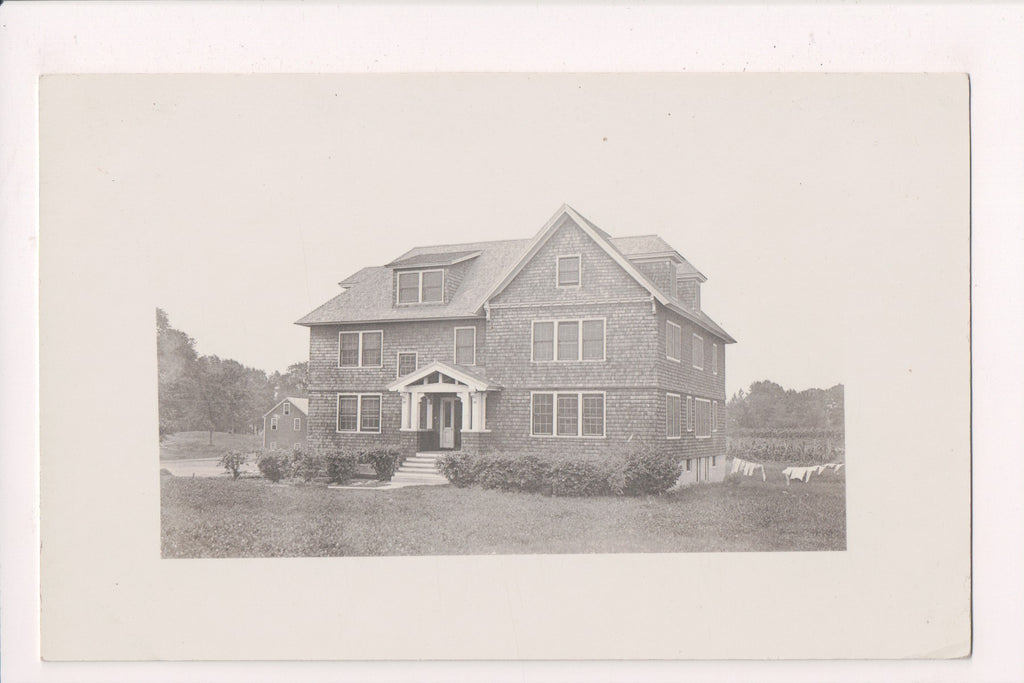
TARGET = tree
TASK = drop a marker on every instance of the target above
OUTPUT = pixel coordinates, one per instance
(176, 376)
(770, 406)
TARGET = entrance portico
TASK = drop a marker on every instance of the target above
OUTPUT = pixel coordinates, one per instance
(441, 401)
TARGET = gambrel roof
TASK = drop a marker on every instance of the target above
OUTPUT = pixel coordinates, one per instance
(489, 268)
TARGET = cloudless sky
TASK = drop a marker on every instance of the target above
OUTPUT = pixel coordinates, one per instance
(252, 196)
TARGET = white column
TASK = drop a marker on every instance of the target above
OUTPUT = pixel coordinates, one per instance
(430, 413)
(406, 396)
(414, 410)
(481, 413)
(467, 424)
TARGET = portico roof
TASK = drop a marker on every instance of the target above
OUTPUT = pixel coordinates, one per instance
(471, 377)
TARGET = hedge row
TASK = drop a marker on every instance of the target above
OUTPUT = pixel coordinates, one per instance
(639, 471)
(336, 468)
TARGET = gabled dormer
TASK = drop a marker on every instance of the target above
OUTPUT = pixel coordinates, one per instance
(426, 279)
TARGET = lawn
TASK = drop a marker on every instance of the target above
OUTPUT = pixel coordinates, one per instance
(253, 518)
(183, 445)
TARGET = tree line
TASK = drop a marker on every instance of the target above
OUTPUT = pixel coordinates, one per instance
(213, 394)
(768, 406)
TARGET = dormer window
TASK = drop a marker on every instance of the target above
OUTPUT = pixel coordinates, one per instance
(568, 268)
(421, 286)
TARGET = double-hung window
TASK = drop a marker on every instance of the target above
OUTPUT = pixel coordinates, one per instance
(360, 349)
(287, 408)
(568, 268)
(567, 413)
(714, 416)
(569, 340)
(673, 341)
(714, 358)
(297, 424)
(673, 416)
(465, 346)
(359, 413)
(273, 424)
(703, 418)
(698, 352)
(420, 286)
(689, 413)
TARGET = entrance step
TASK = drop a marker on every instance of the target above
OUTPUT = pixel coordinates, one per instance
(420, 469)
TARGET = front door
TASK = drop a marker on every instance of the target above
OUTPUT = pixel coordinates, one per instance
(447, 423)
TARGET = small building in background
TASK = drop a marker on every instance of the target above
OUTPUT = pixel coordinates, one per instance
(284, 425)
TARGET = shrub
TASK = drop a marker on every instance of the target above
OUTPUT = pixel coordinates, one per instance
(650, 471)
(306, 464)
(340, 467)
(232, 462)
(384, 462)
(458, 467)
(274, 466)
(509, 472)
(164, 472)
(587, 477)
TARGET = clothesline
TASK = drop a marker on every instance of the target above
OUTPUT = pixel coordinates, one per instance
(804, 473)
(748, 468)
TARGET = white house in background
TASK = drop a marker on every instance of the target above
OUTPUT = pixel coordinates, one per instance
(284, 425)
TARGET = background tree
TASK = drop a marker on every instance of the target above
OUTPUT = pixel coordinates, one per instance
(770, 406)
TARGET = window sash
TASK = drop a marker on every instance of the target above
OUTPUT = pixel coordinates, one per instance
(370, 354)
(567, 418)
(714, 358)
(543, 341)
(542, 422)
(408, 288)
(273, 424)
(432, 286)
(673, 416)
(673, 341)
(689, 413)
(465, 346)
(698, 352)
(406, 364)
(348, 413)
(287, 408)
(348, 355)
(369, 413)
(714, 416)
(703, 410)
(593, 340)
(568, 271)
(569, 340)
(297, 424)
(593, 415)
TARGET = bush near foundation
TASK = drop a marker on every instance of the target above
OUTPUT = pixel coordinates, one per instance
(384, 461)
(232, 462)
(340, 466)
(306, 465)
(640, 471)
(650, 470)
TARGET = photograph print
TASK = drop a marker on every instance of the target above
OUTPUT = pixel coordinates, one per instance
(512, 314)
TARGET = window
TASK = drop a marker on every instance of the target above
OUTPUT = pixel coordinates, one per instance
(406, 363)
(673, 416)
(421, 286)
(465, 346)
(714, 358)
(297, 424)
(593, 414)
(287, 408)
(698, 352)
(714, 416)
(569, 340)
(273, 424)
(568, 268)
(688, 464)
(359, 413)
(714, 460)
(593, 340)
(703, 418)
(689, 413)
(543, 341)
(673, 341)
(360, 349)
(573, 413)
(543, 414)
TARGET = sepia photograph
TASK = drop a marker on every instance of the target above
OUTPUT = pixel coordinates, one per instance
(544, 384)
(520, 361)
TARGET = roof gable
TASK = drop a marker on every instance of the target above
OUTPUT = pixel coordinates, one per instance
(601, 238)
(301, 404)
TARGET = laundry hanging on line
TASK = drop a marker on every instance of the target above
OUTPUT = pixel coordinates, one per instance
(748, 468)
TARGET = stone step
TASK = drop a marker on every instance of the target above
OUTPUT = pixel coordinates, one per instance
(418, 479)
(415, 459)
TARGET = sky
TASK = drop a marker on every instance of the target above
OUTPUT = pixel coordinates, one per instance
(250, 197)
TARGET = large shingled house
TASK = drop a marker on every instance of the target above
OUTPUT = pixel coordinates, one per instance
(571, 341)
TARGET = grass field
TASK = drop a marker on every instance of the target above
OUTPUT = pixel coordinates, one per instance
(181, 445)
(252, 518)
